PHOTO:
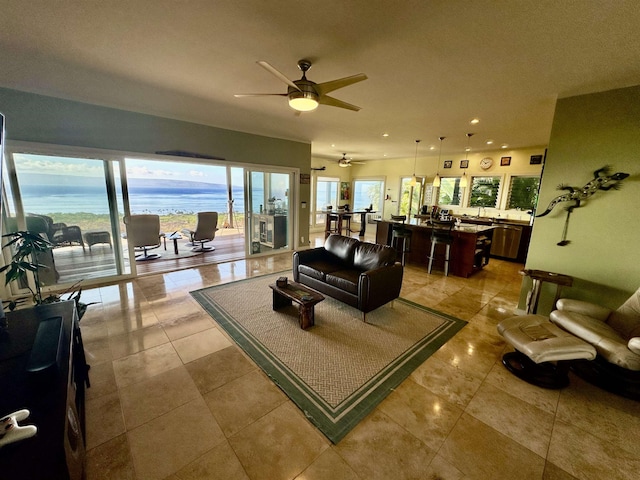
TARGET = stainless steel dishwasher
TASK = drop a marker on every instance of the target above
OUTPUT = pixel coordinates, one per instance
(506, 241)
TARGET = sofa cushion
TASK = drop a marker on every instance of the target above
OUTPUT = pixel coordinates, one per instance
(368, 256)
(342, 247)
(319, 268)
(346, 280)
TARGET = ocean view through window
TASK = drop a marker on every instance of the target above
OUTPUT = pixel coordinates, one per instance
(78, 204)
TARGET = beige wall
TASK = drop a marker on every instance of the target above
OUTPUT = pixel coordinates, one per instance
(588, 132)
(37, 118)
(393, 170)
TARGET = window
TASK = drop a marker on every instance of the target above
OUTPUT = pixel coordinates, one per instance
(484, 192)
(523, 193)
(368, 192)
(450, 192)
(410, 196)
(326, 194)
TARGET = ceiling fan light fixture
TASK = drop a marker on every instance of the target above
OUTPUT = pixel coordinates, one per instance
(304, 98)
(303, 101)
(344, 162)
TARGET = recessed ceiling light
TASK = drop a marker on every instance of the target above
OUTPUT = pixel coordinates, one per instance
(489, 142)
(333, 145)
(468, 149)
(504, 145)
(474, 121)
(385, 134)
(432, 147)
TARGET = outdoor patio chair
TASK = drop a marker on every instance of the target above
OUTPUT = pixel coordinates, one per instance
(206, 228)
(143, 232)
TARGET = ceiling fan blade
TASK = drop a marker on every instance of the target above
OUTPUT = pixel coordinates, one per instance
(269, 68)
(327, 87)
(334, 102)
(239, 95)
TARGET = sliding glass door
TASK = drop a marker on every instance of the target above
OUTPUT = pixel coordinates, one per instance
(77, 199)
(73, 203)
(269, 215)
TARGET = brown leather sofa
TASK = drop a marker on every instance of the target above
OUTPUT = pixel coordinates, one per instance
(361, 274)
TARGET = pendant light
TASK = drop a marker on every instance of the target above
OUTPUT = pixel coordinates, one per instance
(436, 180)
(414, 179)
(463, 179)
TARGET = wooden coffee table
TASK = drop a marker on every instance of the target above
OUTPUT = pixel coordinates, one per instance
(303, 296)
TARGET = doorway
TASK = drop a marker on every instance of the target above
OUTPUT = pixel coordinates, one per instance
(268, 211)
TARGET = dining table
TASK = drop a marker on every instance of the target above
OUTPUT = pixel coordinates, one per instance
(341, 214)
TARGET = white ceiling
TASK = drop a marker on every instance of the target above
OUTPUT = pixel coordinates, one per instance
(432, 65)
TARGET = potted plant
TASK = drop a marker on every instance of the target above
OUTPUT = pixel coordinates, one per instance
(27, 247)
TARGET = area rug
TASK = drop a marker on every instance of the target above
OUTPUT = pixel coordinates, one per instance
(337, 371)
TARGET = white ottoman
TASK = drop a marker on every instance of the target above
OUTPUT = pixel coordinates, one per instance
(538, 343)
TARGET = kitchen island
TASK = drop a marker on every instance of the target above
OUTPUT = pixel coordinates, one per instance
(469, 251)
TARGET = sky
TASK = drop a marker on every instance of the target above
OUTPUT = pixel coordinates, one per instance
(28, 164)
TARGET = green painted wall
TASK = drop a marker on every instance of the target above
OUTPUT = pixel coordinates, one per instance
(37, 118)
(588, 132)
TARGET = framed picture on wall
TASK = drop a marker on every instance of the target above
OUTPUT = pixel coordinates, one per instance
(345, 193)
(448, 163)
(505, 161)
(464, 163)
(535, 160)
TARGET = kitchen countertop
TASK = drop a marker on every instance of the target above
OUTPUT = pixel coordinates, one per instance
(462, 227)
(493, 221)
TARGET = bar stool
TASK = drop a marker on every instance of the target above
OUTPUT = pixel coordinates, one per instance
(333, 223)
(441, 234)
(399, 233)
(346, 223)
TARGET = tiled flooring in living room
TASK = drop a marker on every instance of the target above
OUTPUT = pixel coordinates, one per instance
(173, 398)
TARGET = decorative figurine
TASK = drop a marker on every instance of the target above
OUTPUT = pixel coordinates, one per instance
(602, 180)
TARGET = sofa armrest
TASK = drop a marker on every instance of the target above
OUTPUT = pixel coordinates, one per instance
(379, 286)
(634, 345)
(302, 257)
(310, 255)
(584, 308)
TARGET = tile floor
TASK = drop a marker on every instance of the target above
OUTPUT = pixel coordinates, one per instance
(172, 398)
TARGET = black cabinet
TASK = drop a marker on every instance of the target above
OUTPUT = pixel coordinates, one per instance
(54, 396)
(270, 230)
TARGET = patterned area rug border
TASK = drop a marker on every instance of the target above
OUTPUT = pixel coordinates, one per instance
(334, 420)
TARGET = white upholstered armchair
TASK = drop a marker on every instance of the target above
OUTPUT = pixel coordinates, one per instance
(206, 228)
(615, 334)
(143, 232)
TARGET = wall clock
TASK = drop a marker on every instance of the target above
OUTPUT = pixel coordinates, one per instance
(486, 163)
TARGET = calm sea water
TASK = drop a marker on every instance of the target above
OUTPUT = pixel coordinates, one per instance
(89, 199)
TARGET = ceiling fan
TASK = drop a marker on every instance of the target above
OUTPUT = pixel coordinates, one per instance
(346, 162)
(305, 95)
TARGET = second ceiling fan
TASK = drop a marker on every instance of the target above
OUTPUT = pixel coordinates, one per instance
(305, 95)
(346, 162)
